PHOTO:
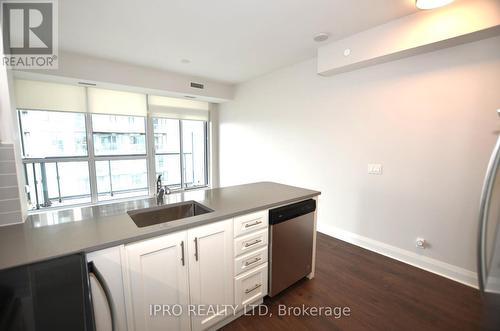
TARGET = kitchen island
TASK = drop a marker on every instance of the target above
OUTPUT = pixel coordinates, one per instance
(207, 249)
(85, 229)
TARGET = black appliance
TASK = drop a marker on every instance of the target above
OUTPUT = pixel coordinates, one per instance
(52, 295)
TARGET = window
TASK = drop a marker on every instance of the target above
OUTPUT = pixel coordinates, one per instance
(121, 178)
(120, 150)
(56, 157)
(47, 136)
(194, 153)
(173, 138)
(57, 183)
(87, 144)
(59, 164)
(119, 135)
(168, 151)
(52, 134)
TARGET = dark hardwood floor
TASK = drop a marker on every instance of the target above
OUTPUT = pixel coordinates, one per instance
(382, 294)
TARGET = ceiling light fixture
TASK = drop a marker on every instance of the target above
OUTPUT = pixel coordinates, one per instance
(431, 4)
(322, 36)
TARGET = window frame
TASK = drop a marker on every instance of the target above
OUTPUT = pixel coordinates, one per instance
(91, 159)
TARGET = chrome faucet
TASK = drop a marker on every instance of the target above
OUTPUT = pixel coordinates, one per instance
(159, 196)
(161, 190)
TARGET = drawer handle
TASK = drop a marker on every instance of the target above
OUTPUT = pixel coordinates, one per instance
(249, 225)
(257, 259)
(248, 290)
(255, 242)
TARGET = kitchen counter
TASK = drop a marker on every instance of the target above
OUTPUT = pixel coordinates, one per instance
(85, 229)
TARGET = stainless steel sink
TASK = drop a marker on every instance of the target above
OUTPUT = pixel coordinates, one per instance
(167, 213)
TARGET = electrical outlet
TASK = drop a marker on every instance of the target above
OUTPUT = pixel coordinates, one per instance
(420, 243)
(374, 169)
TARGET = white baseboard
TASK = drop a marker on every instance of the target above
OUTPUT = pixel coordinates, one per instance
(444, 269)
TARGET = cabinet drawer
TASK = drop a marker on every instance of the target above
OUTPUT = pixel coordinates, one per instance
(250, 222)
(251, 286)
(251, 260)
(250, 242)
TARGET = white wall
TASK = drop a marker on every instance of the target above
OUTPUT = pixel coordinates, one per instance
(429, 119)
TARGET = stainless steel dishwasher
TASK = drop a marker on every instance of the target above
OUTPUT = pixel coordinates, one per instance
(291, 244)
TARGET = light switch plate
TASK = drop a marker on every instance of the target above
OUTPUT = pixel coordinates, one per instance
(374, 169)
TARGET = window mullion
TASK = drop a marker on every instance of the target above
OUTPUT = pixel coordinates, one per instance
(150, 155)
(23, 151)
(90, 153)
(35, 183)
(120, 157)
(58, 183)
(206, 151)
(181, 156)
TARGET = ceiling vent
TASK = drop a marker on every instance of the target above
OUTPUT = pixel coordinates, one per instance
(197, 85)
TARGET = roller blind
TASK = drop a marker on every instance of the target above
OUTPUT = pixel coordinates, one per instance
(103, 101)
(49, 96)
(64, 97)
(160, 106)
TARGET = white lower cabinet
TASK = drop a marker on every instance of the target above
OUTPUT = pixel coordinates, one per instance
(158, 275)
(211, 271)
(185, 280)
(191, 269)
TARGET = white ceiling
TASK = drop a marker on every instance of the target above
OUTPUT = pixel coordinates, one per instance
(226, 40)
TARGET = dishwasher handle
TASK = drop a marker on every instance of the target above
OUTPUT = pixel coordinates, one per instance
(285, 213)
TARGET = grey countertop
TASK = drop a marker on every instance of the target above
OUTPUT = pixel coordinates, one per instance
(85, 229)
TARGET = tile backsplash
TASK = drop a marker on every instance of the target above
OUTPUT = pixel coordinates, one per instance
(10, 205)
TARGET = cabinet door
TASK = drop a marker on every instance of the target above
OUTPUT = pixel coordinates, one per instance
(211, 271)
(158, 275)
(109, 264)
